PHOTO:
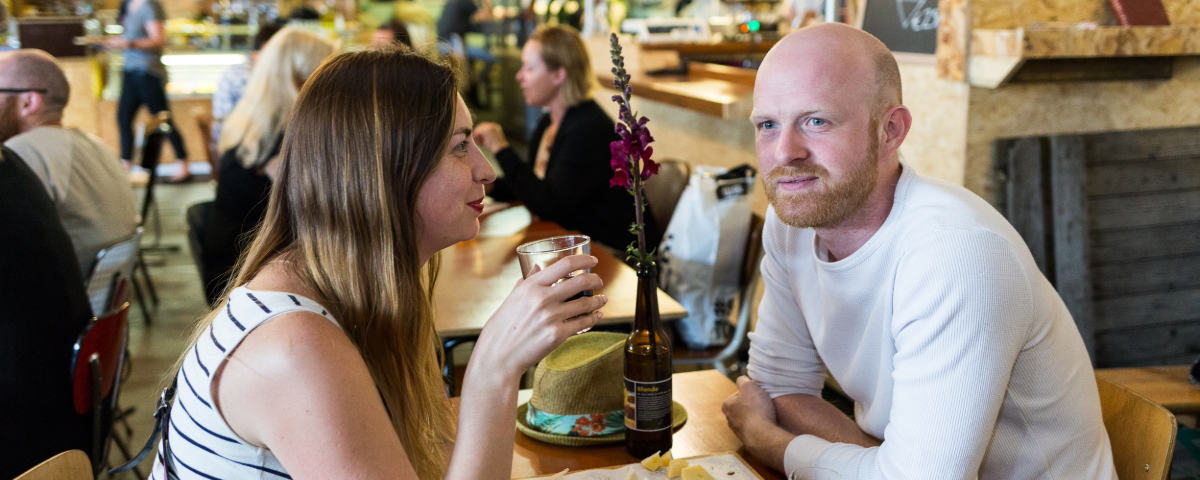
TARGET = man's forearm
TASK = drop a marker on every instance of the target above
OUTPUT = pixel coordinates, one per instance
(767, 442)
(808, 415)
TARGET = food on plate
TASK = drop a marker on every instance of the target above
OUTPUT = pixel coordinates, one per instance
(558, 475)
(629, 475)
(652, 462)
(675, 468)
(696, 472)
(666, 459)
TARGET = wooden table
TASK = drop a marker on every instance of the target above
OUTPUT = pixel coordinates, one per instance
(1166, 386)
(477, 276)
(705, 433)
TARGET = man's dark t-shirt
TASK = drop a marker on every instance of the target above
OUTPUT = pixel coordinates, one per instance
(456, 18)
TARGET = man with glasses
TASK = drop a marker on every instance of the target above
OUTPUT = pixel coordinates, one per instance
(43, 307)
(82, 176)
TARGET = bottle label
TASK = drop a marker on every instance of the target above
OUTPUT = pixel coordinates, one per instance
(648, 405)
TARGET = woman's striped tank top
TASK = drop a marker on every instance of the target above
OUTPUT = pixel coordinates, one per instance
(202, 445)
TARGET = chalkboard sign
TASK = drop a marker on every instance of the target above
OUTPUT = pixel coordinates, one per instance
(903, 25)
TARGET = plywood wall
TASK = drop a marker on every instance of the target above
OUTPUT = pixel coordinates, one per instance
(1007, 14)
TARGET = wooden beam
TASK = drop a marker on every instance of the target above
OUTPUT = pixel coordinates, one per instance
(1072, 256)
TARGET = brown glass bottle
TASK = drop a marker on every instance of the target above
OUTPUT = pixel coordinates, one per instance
(648, 396)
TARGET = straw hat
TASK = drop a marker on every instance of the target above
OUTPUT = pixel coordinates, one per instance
(579, 393)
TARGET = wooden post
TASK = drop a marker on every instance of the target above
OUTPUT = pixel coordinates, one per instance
(1028, 200)
(1072, 258)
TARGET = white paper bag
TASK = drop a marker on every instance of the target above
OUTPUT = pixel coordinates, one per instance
(700, 260)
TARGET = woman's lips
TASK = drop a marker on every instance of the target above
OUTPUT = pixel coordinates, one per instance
(477, 205)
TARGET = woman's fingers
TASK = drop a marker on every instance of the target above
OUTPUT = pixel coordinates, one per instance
(572, 286)
(578, 324)
(562, 267)
(581, 306)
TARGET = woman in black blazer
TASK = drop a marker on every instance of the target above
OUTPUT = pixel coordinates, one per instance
(566, 177)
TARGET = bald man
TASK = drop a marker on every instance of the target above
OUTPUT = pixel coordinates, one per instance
(83, 176)
(913, 293)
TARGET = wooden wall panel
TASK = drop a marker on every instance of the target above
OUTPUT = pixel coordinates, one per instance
(1145, 210)
(1151, 309)
(1145, 243)
(1152, 175)
(1159, 345)
(1143, 276)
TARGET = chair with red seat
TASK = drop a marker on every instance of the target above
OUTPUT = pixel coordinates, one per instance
(95, 370)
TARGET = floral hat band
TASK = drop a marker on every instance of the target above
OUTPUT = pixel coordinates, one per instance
(586, 425)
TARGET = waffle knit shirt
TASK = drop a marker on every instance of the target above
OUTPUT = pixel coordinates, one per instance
(956, 350)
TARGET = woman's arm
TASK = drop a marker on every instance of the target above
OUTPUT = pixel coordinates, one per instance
(533, 321)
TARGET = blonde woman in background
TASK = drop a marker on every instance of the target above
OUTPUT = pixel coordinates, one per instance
(321, 360)
(566, 176)
(250, 141)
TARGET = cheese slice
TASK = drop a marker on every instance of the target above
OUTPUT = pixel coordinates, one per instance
(558, 475)
(696, 472)
(666, 459)
(629, 475)
(652, 462)
(675, 468)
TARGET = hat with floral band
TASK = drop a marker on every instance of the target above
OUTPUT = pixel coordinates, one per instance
(579, 393)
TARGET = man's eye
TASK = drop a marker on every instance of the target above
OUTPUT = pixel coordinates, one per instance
(817, 122)
(767, 125)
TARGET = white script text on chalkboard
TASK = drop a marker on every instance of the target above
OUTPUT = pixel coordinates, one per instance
(915, 16)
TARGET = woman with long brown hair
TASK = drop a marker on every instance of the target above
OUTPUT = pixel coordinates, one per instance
(321, 359)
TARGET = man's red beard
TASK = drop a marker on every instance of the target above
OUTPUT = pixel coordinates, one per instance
(10, 123)
(831, 201)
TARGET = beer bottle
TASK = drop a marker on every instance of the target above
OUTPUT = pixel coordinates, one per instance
(647, 374)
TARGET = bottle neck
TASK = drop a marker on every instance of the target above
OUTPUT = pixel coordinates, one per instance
(646, 313)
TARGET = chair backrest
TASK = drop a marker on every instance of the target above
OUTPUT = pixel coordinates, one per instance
(69, 465)
(1142, 433)
(103, 338)
(112, 272)
(663, 190)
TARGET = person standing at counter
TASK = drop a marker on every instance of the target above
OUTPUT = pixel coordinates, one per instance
(566, 179)
(144, 77)
(250, 144)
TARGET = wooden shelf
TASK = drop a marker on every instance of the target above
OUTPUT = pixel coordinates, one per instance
(998, 55)
(719, 98)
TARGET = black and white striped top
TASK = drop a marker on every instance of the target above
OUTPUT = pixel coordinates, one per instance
(202, 444)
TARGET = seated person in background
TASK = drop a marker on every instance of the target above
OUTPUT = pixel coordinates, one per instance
(44, 310)
(82, 175)
(918, 297)
(233, 82)
(391, 32)
(566, 179)
(250, 142)
(323, 362)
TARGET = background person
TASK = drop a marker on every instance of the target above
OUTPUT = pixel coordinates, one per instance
(45, 309)
(250, 143)
(915, 294)
(566, 179)
(143, 76)
(233, 81)
(391, 32)
(333, 367)
(85, 180)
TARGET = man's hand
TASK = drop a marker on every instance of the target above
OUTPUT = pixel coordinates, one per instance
(751, 415)
(491, 136)
(749, 405)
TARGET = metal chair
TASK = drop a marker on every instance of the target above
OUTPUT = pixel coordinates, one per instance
(1142, 433)
(718, 357)
(663, 190)
(148, 151)
(95, 370)
(69, 465)
(115, 263)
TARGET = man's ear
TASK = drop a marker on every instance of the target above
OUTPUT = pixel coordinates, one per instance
(896, 123)
(30, 104)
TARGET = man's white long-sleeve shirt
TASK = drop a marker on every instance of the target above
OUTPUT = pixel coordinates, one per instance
(957, 351)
